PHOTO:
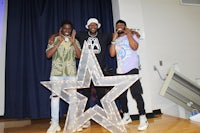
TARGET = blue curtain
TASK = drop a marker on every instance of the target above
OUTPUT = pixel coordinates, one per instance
(29, 25)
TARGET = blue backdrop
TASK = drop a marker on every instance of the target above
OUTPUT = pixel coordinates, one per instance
(29, 25)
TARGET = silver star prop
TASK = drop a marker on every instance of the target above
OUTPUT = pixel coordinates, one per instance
(88, 70)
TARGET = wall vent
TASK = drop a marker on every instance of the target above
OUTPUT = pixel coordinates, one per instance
(181, 90)
(190, 2)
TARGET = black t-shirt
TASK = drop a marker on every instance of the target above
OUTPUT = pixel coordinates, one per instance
(104, 40)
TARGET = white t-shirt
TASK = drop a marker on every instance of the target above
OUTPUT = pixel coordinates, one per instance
(127, 58)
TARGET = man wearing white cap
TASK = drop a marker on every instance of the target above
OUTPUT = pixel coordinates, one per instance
(98, 43)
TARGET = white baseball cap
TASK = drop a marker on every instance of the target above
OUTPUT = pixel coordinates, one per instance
(92, 20)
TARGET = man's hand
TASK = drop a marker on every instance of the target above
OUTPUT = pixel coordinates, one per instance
(115, 36)
(60, 39)
(127, 30)
(72, 37)
(135, 32)
(51, 39)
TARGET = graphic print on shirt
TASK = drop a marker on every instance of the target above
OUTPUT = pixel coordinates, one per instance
(121, 53)
(94, 44)
(127, 58)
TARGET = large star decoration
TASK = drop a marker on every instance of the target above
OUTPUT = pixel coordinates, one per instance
(88, 70)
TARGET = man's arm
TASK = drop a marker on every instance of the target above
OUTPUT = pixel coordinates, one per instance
(73, 40)
(112, 46)
(132, 42)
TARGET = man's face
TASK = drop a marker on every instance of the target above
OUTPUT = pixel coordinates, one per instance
(120, 28)
(66, 30)
(93, 27)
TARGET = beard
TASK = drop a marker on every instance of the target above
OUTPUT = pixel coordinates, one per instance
(120, 31)
(93, 31)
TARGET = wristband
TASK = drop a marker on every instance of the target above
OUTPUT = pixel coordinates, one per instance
(114, 42)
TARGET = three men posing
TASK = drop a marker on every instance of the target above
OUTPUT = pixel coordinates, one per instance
(124, 44)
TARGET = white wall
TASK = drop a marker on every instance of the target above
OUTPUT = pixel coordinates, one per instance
(171, 34)
(3, 20)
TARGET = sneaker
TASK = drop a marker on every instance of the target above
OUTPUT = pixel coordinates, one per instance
(54, 128)
(126, 119)
(87, 124)
(143, 123)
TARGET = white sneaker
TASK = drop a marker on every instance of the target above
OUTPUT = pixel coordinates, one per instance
(54, 128)
(143, 123)
(126, 119)
(87, 124)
